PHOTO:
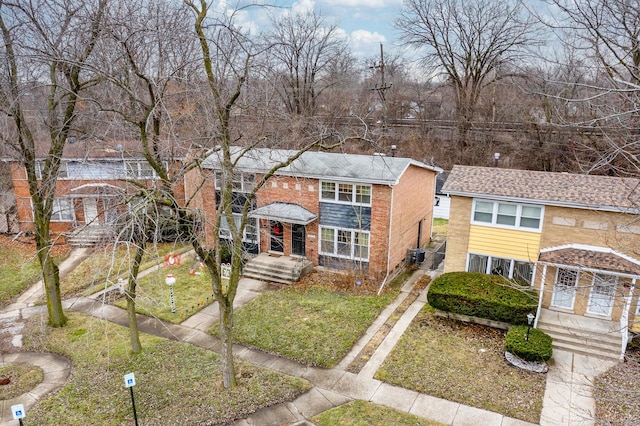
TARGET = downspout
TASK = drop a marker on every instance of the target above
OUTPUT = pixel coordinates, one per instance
(624, 320)
(388, 245)
(542, 281)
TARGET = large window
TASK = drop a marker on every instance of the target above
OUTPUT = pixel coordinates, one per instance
(62, 210)
(140, 170)
(345, 243)
(347, 193)
(507, 215)
(240, 182)
(510, 268)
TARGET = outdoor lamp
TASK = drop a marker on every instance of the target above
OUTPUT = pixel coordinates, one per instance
(170, 280)
(530, 318)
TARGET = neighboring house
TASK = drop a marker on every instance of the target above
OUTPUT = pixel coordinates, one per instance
(94, 182)
(342, 211)
(442, 201)
(574, 238)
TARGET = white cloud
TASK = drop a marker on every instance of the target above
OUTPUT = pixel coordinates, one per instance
(374, 4)
(364, 43)
(303, 6)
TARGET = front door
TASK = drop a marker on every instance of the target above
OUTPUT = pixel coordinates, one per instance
(602, 293)
(90, 211)
(298, 236)
(564, 289)
(276, 240)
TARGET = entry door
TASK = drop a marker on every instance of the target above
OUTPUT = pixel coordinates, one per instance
(602, 293)
(277, 242)
(90, 211)
(564, 289)
(298, 236)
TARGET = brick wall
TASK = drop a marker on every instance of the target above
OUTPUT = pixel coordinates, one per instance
(458, 234)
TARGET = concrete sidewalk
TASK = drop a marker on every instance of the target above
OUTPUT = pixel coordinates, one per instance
(568, 399)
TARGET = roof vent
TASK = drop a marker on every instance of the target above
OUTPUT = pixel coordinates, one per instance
(119, 147)
(71, 139)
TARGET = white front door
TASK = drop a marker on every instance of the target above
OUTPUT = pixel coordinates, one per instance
(564, 289)
(90, 211)
(603, 290)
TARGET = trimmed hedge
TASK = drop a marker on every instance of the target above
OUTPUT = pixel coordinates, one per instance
(482, 295)
(537, 348)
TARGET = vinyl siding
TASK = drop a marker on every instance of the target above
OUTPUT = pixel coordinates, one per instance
(505, 243)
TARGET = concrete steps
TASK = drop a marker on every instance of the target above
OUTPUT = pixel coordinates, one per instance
(582, 335)
(89, 236)
(280, 269)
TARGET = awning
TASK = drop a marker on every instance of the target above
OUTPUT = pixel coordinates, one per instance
(284, 212)
(590, 258)
(96, 189)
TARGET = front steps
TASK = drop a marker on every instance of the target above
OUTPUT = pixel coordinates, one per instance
(275, 268)
(582, 335)
(89, 236)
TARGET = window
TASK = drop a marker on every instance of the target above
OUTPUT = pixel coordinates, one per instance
(510, 268)
(507, 215)
(250, 230)
(345, 243)
(240, 182)
(62, 210)
(139, 170)
(327, 243)
(567, 277)
(62, 171)
(345, 193)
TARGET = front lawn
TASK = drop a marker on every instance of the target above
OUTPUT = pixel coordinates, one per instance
(463, 363)
(362, 413)
(19, 266)
(312, 325)
(192, 292)
(176, 383)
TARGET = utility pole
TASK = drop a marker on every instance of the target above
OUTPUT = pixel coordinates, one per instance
(382, 87)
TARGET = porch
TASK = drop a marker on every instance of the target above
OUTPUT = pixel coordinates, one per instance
(276, 268)
(584, 335)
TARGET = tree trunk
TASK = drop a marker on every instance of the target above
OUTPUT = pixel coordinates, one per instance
(51, 278)
(226, 325)
(134, 334)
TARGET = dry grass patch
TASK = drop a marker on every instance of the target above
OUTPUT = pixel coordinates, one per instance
(23, 378)
(463, 363)
(617, 393)
(362, 413)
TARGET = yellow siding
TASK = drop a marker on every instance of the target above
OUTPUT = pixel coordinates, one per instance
(508, 243)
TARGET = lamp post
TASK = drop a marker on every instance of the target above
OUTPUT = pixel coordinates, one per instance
(170, 281)
(530, 318)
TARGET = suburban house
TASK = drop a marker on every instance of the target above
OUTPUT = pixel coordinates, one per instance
(573, 238)
(341, 211)
(94, 182)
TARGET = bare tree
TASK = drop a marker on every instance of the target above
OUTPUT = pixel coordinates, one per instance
(468, 44)
(305, 50)
(45, 43)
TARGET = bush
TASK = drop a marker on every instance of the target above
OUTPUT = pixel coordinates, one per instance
(480, 295)
(537, 348)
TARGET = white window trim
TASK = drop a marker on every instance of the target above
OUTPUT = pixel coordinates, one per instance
(335, 243)
(512, 264)
(245, 177)
(494, 215)
(225, 234)
(574, 288)
(71, 210)
(336, 193)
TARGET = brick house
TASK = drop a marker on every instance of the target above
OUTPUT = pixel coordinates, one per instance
(342, 211)
(95, 180)
(573, 238)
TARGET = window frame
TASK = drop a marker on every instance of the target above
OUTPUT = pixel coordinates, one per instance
(496, 215)
(354, 236)
(489, 266)
(225, 233)
(338, 194)
(247, 181)
(57, 210)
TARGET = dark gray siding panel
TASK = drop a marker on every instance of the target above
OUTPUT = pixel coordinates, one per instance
(345, 216)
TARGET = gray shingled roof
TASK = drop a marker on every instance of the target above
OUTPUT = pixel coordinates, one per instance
(608, 261)
(560, 189)
(325, 165)
(286, 212)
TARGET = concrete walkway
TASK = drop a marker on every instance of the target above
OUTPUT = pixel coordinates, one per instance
(568, 399)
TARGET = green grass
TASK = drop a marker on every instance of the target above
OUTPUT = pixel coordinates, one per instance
(19, 267)
(191, 293)
(362, 413)
(176, 383)
(463, 363)
(311, 325)
(440, 226)
(24, 377)
(106, 264)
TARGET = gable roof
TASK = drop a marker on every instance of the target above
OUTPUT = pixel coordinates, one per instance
(590, 257)
(335, 166)
(557, 189)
